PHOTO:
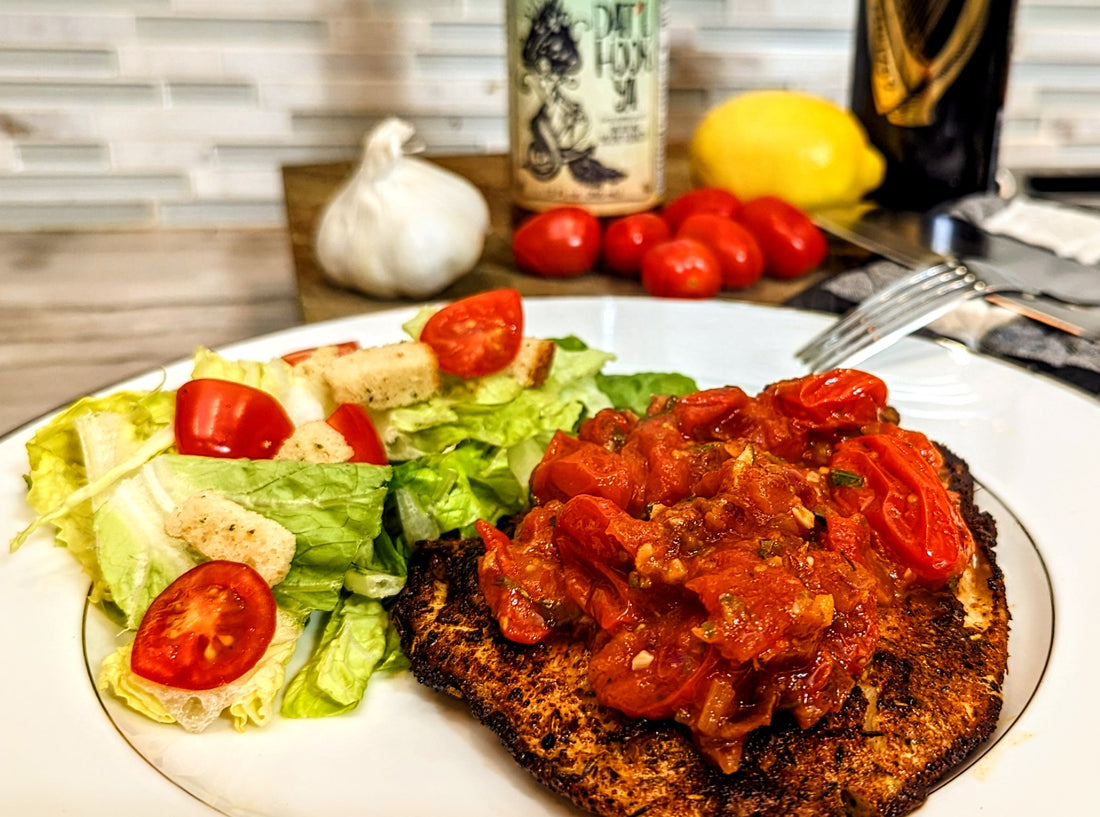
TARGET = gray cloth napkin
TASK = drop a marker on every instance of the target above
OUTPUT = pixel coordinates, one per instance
(978, 324)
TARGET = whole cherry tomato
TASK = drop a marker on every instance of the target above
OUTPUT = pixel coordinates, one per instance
(222, 418)
(626, 240)
(477, 335)
(207, 628)
(701, 200)
(681, 268)
(889, 481)
(560, 243)
(735, 247)
(792, 244)
(353, 422)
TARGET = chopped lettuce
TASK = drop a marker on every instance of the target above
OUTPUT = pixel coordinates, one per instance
(58, 486)
(358, 640)
(633, 391)
(448, 492)
(334, 511)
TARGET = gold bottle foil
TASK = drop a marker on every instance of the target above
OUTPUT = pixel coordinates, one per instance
(906, 79)
(587, 103)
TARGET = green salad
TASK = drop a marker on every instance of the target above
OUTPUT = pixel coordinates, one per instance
(108, 476)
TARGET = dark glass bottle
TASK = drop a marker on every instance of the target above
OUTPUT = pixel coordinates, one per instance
(929, 83)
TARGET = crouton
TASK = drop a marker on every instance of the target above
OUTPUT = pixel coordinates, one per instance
(532, 364)
(315, 441)
(383, 377)
(219, 528)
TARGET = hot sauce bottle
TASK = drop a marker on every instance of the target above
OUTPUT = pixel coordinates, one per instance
(587, 104)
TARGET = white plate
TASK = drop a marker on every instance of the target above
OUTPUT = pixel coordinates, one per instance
(1031, 442)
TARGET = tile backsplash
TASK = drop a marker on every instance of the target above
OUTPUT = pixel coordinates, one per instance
(180, 113)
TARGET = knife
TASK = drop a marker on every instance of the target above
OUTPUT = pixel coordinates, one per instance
(916, 241)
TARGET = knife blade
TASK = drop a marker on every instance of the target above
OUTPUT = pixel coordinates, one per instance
(909, 239)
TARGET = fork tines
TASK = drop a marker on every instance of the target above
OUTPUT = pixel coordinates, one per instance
(901, 308)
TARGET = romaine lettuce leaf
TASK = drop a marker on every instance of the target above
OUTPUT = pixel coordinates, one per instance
(358, 639)
(633, 391)
(447, 492)
(334, 511)
(57, 483)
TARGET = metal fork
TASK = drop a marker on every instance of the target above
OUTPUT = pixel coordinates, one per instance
(903, 307)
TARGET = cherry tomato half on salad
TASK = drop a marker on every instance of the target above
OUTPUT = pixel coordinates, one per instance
(477, 335)
(221, 418)
(681, 268)
(714, 200)
(300, 355)
(626, 241)
(560, 243)
(792, 244)
(736, 249)
(207, 628)
(355, 424)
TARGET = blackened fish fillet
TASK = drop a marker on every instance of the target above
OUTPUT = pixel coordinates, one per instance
(930, 696)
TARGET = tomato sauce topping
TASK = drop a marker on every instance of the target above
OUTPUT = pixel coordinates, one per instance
(725, 556)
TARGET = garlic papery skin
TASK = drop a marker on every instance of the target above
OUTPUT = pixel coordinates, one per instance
(401, 226)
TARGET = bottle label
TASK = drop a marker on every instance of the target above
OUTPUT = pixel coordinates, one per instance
(917, 50)
(587, 90)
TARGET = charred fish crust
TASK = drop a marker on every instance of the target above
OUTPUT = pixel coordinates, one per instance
(929, 697)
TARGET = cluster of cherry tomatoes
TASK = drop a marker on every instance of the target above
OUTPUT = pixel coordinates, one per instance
(700, 243)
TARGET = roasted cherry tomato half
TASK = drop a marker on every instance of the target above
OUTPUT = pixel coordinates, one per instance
(739, 255)
(477, 335)
(560, 243)
(353, 421)
(301, 355)
(207, 628)
(681, 268)
(510, 581)
(792, 244)
(839, 398)
(910, 511)
(221, 418)
(626, 241)
(713, 200)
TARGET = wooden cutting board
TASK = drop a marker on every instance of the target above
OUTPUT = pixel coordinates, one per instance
(308, 188)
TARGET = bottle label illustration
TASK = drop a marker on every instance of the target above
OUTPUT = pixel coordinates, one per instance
(917, 50)
(586, 103)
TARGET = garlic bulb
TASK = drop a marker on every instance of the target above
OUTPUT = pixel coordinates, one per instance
(401, 226)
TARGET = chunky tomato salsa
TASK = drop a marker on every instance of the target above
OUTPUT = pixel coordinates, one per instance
(726, 556)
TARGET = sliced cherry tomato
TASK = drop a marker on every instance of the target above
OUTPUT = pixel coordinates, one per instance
(681, 268)
(352, 421)
(626, 241)
(477, 335)
(207, 628)
(733, 245)
(300, 355)
(905, 503)
(221, 418)
(792, 244)
(701, 200)
(560, 243)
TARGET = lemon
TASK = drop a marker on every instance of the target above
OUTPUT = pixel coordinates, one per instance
(790, 144)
